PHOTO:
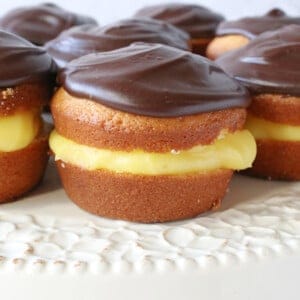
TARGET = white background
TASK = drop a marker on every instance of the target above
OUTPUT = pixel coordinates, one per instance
(110, 10)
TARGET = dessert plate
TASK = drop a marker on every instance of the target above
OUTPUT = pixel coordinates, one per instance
(248, 249)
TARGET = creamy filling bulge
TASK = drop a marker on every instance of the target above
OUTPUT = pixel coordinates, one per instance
(234, 151)
(264, 129)
(17, 131)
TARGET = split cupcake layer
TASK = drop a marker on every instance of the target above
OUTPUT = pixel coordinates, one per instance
(26, 82)
(142, 198)
(275, 123)
(110, 166)
(148, 133)
(151, 187)
(269, 67)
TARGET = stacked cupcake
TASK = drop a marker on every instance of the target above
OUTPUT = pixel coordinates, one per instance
(269, 67)
(148, 133)
(26, 83)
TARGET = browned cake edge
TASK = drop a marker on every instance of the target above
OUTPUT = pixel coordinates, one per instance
(141, 198)
(92, 124)
(24, 97)
(22, 170)
(284, 109)
(276, 160)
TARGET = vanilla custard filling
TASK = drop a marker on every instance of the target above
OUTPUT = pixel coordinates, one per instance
(17, 131)
(263, 129)
(234, 151)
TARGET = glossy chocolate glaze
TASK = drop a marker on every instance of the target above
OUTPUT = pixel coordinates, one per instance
(153, 80)
(41, 23)
(253, 26)
(268, 64)
(86, 39)
(198, 21)
(22, 62)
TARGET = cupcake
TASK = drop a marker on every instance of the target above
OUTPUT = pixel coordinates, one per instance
(198, 21)
(232, 35)
(148, 133)
(41, 23)
(25, 87)
(269, 67)
(87, 39)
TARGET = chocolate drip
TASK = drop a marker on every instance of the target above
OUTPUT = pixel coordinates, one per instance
(268, 64)
(86, 39)
(22, 62)
(41, 23)
(153, 80)
(198, 21)
(253, 26)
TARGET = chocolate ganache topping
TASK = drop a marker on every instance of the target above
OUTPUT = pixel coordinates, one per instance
(270, 63)
(198, 21)
(253, 26)
(86, 39)
(41, 23)
(22, 62)
(153, 80)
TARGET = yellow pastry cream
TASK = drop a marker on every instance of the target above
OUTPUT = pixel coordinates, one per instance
(234, 151)
(17, 131)
(264, 129)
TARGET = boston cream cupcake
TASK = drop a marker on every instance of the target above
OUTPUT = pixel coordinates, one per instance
(232, 35)
(148, 133)
(25, 87)
(87, 39)
(198, 21)
(41, 23)
(270, 67)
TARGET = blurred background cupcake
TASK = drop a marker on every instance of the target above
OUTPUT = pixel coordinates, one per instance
(86, 39)
(198, 21)
(41, 23)
(235, 34)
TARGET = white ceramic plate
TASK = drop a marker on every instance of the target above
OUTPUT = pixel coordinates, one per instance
(249, 249)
